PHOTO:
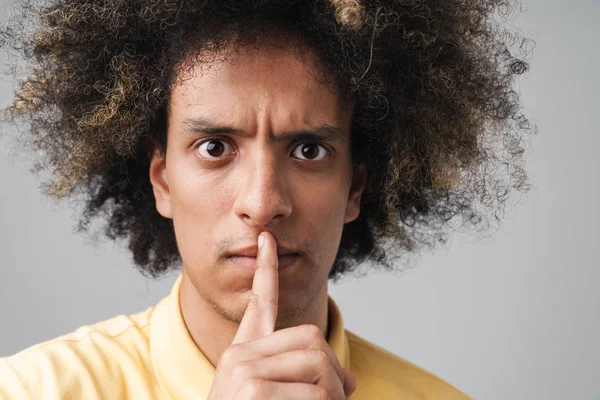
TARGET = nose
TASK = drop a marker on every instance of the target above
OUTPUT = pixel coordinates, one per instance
(262, 199)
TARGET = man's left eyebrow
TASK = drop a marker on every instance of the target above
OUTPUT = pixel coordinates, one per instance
(325, 132)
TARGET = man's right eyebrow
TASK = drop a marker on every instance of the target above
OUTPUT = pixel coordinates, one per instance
(201, 126)
(198, 126)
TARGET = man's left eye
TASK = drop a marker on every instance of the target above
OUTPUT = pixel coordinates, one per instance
(310, 151)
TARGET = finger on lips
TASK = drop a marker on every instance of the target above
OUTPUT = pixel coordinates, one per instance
(278, 357)
(261, 313)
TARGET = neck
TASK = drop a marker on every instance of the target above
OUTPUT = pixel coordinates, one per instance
(213, 333)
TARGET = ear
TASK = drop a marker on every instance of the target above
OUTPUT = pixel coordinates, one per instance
(359, 181)
(160, 184)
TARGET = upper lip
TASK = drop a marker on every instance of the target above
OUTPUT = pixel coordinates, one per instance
(252, 251)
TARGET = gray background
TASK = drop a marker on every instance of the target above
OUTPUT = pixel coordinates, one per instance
(514, 316)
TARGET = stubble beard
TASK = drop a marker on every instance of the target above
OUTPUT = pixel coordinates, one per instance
(288, 313)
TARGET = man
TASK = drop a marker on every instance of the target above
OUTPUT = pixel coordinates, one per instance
(188, 124)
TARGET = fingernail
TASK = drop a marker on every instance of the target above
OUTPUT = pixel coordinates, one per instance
(261, 240)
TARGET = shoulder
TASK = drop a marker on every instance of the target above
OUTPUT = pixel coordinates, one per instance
(90, 362)
(382, 374)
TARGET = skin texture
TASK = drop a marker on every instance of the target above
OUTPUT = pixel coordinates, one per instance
(255, 183)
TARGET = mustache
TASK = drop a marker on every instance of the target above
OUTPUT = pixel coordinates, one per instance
(225, 245)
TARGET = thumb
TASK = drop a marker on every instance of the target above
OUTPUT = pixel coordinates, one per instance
(261, 313)
(350, 382)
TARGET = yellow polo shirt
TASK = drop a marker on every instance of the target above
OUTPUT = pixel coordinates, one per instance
(150, 355)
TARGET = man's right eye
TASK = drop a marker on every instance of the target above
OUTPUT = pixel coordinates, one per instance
(214, 148)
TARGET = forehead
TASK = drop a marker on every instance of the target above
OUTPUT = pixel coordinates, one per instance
(268, 84)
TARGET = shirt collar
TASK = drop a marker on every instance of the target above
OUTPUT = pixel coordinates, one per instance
(182, 370)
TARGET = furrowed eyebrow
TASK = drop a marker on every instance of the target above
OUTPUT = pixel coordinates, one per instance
(201, 126)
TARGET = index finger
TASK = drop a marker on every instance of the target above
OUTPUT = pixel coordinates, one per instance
(261, 313)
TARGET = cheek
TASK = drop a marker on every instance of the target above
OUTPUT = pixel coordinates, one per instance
(323, 220)
(199, 204)
(321, 200)
(325, 208)
(327, 201)
(197, 193)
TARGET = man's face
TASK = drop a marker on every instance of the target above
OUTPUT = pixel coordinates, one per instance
(256, 144)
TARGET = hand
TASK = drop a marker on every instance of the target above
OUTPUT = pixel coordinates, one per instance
(292, 363)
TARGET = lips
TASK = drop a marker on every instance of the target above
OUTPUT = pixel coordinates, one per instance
(252, 251)
(285, 261)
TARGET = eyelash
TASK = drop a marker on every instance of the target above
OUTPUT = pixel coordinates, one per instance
(324, 147)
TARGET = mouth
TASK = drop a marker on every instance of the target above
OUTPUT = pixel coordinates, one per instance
(249, 262)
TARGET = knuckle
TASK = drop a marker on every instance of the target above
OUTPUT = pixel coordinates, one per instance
(257, 302)
(321, 357)
(254, 389)
(312, 332)
(229, 355)
(271, 301)
(321, 393)
(241, 371)
(253, 303)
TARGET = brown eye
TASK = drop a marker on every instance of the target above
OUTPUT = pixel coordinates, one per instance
(310, 151)
(213, 148)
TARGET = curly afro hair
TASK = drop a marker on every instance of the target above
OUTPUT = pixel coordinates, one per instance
(436, 119)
